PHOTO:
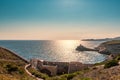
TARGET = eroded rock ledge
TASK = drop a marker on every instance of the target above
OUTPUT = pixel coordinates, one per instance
(83, 48)
(109, 47)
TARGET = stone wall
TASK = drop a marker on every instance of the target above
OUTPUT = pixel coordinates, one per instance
(62, 67)
(58, 67)
(34, 63)
(51, 70)
(77, 66)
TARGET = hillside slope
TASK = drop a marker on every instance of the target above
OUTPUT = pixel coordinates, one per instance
(12, 67)
(109, 47)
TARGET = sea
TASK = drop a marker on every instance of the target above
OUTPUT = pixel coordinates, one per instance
(56, 51)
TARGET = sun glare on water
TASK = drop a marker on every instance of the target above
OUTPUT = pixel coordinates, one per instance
(66, 52)
(68, 43)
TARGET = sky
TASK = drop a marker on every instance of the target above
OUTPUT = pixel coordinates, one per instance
(59, 19)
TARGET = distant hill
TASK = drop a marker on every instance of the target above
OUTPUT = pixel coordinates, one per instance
(116, 38)
(109, 47)
(104, 39)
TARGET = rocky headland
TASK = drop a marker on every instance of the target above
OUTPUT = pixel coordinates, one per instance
(109, 47)
(83, 48)
(108, 69)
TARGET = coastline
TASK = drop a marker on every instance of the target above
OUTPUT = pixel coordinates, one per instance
(85, 49)
(109, 48)
(60, 68)
(59, 51)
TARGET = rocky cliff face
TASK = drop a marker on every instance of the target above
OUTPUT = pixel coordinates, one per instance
(110, 47)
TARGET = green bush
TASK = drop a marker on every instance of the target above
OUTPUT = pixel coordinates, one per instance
(111, 63)
(86, 79)
(11, 68)
(118, 57)
(21, 71)
(38, 74)
(70, 76)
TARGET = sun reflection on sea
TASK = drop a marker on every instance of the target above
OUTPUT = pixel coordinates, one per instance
(60, 51)
(68, 43)
(66, 52)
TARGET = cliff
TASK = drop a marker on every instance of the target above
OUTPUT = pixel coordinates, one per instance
(109, 47)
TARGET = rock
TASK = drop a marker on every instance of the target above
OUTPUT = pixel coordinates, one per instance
(83, 48)
(109, 47)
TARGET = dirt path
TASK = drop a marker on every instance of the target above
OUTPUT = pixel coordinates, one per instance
(26, 66)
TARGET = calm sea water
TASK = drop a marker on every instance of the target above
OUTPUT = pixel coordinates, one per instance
(62, 51)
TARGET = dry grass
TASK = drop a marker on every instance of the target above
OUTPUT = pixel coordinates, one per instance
(15, 71)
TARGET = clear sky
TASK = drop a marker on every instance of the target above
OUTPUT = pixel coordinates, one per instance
(59, 19)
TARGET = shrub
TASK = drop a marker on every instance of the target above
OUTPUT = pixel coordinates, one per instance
(118, 57)
(21, 71)
(70, 76)
(111, 63)
(11, 68)
(38, 74)
(86, 79)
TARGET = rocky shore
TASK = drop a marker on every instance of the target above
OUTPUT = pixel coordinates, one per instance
(99, 71)
(84, 71)
(109, 47)
(83, 48)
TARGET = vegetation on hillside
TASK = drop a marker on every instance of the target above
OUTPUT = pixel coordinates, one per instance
(11, 67)
(112, 42)
(111, 63)
(37, 73)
